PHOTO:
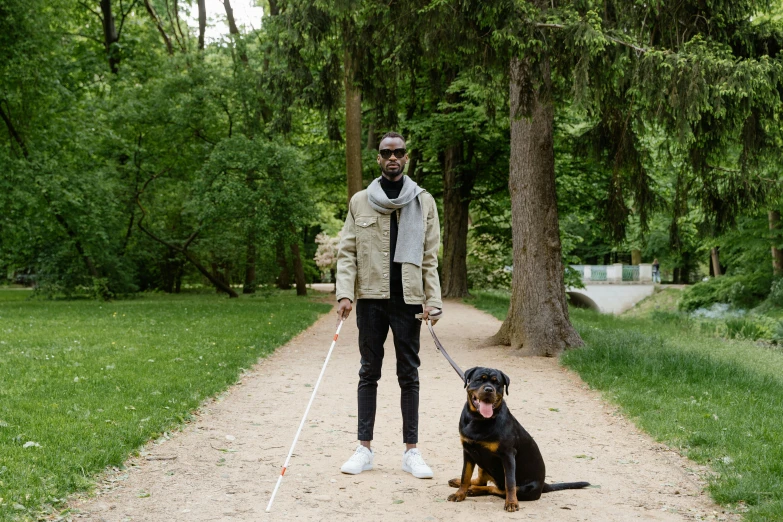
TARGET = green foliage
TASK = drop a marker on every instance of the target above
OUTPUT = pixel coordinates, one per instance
(775, 296)
(487, 262)
(741, 291)
(668, 317)
(744, 328)
(179, 144)
(91, 382)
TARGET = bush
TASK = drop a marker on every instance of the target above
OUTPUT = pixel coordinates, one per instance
(745, 328)
(487, 260)
(740, 291)
(775, 297)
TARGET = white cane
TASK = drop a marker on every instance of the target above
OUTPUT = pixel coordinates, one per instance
(315, 389)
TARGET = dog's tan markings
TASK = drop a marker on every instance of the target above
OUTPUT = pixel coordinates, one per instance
(462, 492)
(512, 504)
(478, 491)
(491, 446)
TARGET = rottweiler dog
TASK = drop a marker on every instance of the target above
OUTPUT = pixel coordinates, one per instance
(496, 443)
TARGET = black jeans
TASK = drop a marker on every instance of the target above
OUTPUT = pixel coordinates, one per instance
(374, 317)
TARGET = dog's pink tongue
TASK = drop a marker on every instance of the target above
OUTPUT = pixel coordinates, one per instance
(485, 409)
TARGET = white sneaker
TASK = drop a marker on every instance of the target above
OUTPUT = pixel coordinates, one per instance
(360, 461)
(413, 463)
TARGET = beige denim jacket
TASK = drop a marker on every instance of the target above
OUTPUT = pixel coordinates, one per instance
(364, 256)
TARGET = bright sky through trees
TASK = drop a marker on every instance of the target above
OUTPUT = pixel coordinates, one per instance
(246, 13)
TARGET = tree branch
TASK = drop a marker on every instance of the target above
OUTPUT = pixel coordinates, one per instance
(124, 16)
(181, 249)
(159, 25)
(12, 130)
(735, 171)
(176, 17)
(174, 28)
(90, 9)
(608, 37)
(86, 36)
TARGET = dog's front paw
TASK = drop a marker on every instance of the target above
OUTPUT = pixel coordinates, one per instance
(459, 496)
(455, 483)
(511, 505)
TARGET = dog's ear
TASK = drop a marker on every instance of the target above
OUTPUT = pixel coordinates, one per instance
(469, 375)
(506, 381)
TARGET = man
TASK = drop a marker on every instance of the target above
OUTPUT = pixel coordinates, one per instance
(387, 264)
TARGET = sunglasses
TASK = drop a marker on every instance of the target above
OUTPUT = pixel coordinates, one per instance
(398, 153)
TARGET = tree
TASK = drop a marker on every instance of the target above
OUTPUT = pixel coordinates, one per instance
(635, 72)
(538, 315)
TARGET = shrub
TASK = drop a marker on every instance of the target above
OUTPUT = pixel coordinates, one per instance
(741, 291)
(487, 260)
(746, 328)
(776, 293)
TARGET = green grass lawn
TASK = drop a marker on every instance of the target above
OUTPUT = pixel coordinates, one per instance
(719, 402)
(85, 383)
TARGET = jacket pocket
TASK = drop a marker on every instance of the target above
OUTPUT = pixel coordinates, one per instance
(367, 239)
(412, 281)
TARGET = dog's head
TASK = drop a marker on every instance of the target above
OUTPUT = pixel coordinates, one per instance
(485, 390)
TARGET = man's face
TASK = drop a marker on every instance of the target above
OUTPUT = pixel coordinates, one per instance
(393, 167)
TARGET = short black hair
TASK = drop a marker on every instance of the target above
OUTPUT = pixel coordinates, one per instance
(391, 134)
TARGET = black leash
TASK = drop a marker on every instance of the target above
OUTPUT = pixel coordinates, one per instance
(440, 347)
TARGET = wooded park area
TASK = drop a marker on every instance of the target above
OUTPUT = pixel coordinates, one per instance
(139, 155)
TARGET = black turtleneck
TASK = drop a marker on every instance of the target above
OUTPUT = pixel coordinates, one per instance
(392, 190)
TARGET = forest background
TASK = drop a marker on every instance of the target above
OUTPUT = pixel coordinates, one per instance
(139, 154)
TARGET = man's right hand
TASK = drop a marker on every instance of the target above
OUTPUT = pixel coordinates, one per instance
(344, 309)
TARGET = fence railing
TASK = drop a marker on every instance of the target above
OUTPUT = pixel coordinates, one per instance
(630, 272)
(598, 273)
(615, 273)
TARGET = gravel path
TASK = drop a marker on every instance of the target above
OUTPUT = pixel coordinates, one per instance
(224, 465)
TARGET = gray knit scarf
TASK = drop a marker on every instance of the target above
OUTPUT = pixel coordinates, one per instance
(410, 234)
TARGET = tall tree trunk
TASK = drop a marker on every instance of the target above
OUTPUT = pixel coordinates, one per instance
(715, 259)
(110, 36)
(538, 313)
(274, 9)
(250, 265)
(284, 276)
(159, 25)
(301, 284)
(202, 23)
(457, 188)
(777, 254)
(232, 25)
(353, 127)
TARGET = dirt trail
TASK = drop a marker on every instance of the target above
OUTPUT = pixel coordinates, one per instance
(224, 465)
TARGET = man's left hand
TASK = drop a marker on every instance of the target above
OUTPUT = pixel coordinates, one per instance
(426, 314)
